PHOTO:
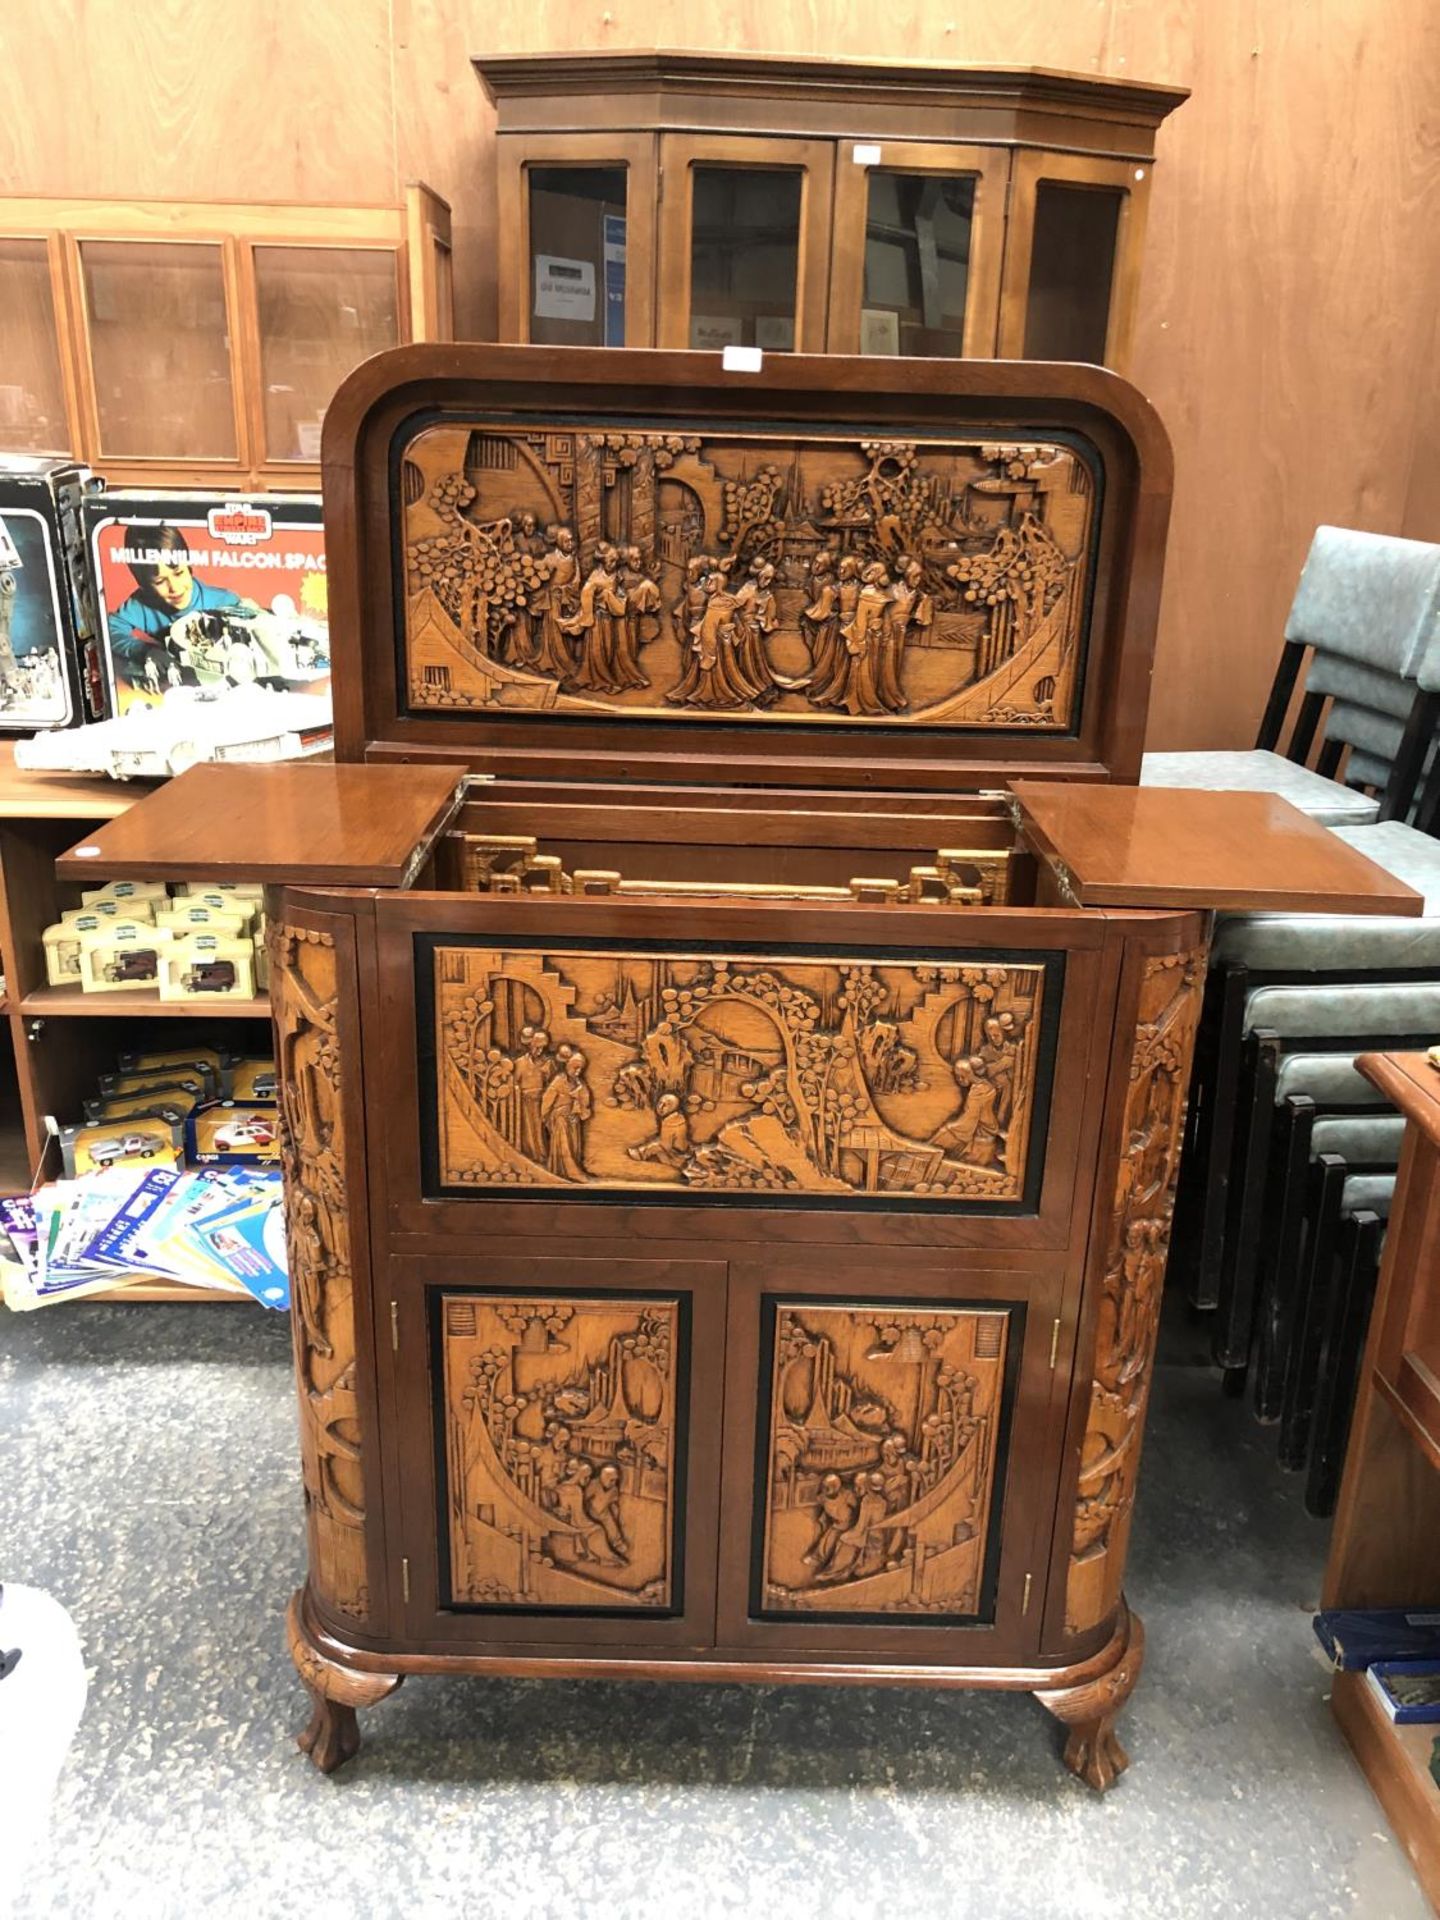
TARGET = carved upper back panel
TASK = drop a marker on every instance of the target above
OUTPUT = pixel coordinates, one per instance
(832, 572)
(763, 579)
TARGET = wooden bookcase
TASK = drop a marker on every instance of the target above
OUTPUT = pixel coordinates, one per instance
(61, 1040)
(1385, 1551)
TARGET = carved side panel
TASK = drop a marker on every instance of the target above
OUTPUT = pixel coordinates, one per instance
(756, 578)
(737, 1075)
(561, 1432)
(883, 1437)
(304, 999)
(1138, 1244)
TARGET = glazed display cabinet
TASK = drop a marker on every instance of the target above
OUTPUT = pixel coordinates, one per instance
(733, 1019)
(198, 343)
(707, 200)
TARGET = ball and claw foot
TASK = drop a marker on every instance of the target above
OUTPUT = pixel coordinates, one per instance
(333, 1734)
(1093, 1752)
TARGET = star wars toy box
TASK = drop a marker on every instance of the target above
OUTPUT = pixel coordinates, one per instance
(50, 671)
(202, 593)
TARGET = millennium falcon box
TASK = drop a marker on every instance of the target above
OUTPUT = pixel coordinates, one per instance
(203, 593)
(50, 673)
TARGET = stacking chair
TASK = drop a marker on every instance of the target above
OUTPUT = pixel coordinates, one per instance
(1360, 1243)
(1228, 1128)
(1367, 613)
(1309, 1015)
(1308, 1087)
(1351, 1186)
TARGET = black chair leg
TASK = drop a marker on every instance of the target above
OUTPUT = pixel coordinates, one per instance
(1281, 1258)
(1427, 812)
(1212, 1160)
(1358, 1263)
(1306, 721)
(1246, 1213)
(1287, 671)
(1327, 761)
(1409, 762)
(1313, 1306)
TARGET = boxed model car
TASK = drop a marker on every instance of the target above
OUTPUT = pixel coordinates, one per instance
(207, 964)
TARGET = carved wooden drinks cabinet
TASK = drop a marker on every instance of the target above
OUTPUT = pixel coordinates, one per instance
(734, 1032)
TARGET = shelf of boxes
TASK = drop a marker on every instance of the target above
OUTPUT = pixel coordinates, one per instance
(62, 1038)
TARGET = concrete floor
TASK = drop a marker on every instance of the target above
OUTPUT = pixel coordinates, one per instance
(148, 1479)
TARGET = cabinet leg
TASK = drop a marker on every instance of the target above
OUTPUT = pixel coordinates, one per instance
(1093, 1752)
(333, 1734)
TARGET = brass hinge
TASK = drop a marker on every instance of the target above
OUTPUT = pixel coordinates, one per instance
(1025, 1595)
(395, 1329)
(405, 1580)
(1054, 1344)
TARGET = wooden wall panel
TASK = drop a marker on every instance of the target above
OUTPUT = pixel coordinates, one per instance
(1286, 306)
(1290, 283)
(197, 99)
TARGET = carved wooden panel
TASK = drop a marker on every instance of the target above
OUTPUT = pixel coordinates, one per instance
(759, 577)
(883, 1435)
(1138, 1244)
(304, 994)
(561, 1432)
(737, 1075)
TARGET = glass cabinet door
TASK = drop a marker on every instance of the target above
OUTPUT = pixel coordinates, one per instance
(158, 320)
(577, 241)
(33, 416)
(1072, 258)
(918, 245)
(322, 310)
(744, 236)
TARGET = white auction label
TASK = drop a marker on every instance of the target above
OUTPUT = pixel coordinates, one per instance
(564, 289)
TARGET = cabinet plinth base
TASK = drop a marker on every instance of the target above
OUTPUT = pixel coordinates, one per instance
(1087, 1697)
(333, 1734)
(1093, 1752)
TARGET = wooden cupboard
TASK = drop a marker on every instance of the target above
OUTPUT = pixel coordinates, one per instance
(172, 343)
(702, 200)
(731, 1112)
(1384, 1550)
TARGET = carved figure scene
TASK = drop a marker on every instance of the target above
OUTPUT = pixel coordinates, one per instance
(304, 995)
(882, 1458)
(560, 1444)
(735, 1075)
(828, 580)
(1138, 1248)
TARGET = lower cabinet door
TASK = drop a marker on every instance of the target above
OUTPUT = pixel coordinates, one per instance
(558, 1430)
(889, 1456)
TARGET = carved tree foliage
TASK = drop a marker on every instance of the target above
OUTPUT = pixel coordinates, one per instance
(304, 995)
(881, 1459)
(560, 1441)
(660, 1073)
(1134, 1276)
(756, 577)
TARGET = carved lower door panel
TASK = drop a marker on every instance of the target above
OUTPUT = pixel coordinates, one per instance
(563, 1488)
(891, 1416)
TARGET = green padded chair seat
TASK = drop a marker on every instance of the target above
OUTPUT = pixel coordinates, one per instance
(1334, 943)
(1253, 770)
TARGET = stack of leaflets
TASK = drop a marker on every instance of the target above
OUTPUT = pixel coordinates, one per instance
(214, 1227)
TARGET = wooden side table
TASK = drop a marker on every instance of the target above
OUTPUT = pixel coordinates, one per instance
(1385, 1551)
